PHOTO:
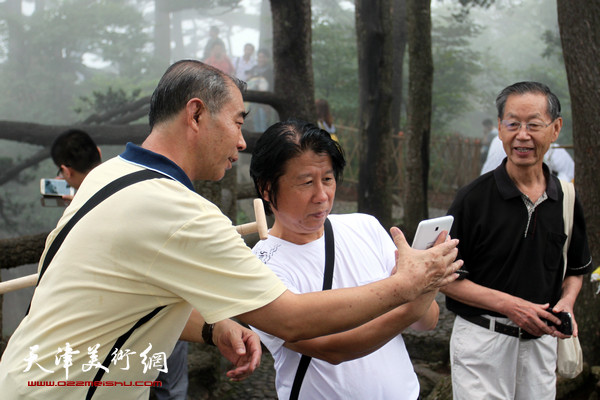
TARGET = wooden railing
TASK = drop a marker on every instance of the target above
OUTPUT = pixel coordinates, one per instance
(455, 160)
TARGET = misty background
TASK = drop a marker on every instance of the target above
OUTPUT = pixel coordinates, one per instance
(85, 57)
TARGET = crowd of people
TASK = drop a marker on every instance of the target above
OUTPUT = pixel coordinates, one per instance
(253, 67)
(140, 263)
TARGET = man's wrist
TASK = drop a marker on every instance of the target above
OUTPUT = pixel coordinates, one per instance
(207, 333)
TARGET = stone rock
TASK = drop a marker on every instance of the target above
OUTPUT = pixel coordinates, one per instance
(441, 391)
(432, 346)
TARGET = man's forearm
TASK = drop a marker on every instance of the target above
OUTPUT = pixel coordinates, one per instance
(294, 317)
(429, 314)
(192, 332)
(475, 295)
(570, 289)
(369, 337)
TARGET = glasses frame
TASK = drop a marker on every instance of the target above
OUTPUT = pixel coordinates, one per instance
(506, 122)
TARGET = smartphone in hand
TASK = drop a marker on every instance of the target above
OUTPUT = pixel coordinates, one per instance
(429, 230)
(56, 187)
(566, 323)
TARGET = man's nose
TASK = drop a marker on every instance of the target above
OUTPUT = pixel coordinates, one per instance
(241, 143)
(523, 133)
(320, 194)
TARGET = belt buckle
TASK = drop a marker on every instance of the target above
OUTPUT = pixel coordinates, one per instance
(520, 333)
(492, 326)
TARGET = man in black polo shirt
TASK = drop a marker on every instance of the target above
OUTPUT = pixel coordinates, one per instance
(510, 225)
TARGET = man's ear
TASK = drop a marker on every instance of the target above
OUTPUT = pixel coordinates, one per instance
(67, 172)
(195, 110)
(558, 123)
(265, 193)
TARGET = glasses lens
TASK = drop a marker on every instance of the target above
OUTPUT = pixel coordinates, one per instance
(534, 127)
(512, 125)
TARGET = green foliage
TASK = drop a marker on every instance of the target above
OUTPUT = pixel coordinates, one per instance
(516, 41)
(57, 45)
(67, 49)
(456, 66)
(478, 3)
(112, 31)
(102, 102)
(551, 38)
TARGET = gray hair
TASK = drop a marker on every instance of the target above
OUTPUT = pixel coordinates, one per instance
(188, 79)
(521, 88)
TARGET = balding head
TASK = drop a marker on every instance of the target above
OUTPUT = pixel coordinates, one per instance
(188, 79)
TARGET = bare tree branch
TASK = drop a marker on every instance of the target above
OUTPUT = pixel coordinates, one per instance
(12, 173)
(22, 250)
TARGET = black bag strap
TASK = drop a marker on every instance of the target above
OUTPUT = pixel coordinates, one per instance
(327, 281)
(100, 196)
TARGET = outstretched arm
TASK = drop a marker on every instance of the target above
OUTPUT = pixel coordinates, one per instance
(371, 336)
(417, 272)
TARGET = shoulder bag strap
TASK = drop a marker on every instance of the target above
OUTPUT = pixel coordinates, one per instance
(327, 281)
(96, 199)
(568, 209)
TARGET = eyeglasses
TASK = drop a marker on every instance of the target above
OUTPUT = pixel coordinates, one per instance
(515, 126)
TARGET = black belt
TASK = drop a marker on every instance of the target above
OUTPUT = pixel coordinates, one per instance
(500, 327)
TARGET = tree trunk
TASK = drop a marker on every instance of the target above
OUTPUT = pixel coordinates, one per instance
(419, 113)
(374, 36)
(23, 250)
(292, 59)
(579, 23)
(399, 44)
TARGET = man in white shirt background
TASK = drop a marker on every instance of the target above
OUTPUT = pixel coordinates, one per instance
(245, 63)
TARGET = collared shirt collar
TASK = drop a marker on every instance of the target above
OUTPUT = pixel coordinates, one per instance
(508, 189)
(156, 162)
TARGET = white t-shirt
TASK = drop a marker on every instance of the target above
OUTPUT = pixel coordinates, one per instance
(242, 67)
(364, 252)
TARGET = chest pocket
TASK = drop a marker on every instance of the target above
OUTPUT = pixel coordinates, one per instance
(553, 250)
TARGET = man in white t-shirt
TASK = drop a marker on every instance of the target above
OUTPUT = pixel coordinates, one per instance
(295, 166)
(156, 262)
(245, 63)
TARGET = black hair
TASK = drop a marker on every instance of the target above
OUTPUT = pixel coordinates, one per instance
(521, 88)
(76, 149)
(280, 143)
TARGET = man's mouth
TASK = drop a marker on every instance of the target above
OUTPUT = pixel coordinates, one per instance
(522, 149)
(320, 214)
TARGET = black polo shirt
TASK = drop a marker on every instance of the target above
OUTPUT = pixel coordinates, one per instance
(505, 249)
